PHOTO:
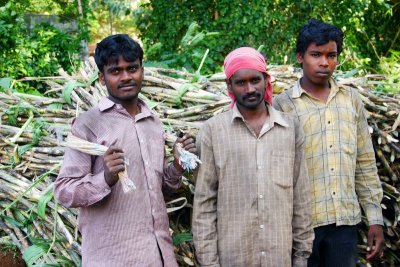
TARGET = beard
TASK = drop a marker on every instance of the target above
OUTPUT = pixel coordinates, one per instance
(246, 100)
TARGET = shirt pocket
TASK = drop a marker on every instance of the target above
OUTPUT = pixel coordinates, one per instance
(281, 168)
(348, 131)
(156, 153)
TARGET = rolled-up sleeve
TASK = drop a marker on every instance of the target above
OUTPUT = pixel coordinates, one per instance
(76, 185)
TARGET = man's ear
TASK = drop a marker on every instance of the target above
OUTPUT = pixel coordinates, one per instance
(101, 78)
(228, 84)
(299, 57)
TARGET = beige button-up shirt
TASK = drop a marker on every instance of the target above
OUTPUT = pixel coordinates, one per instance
(120, 229)
(252, 201)
(339, 154)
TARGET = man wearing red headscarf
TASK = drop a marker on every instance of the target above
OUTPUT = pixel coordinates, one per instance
(252, 201)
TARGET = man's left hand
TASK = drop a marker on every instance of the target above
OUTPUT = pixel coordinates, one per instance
(376, 242)
(188, 143)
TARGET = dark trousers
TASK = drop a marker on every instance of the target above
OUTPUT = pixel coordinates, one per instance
(334, 246)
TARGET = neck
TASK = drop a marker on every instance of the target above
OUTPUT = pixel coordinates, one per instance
(131, 105)
(320, 91)
(261, 112)
(310, 86)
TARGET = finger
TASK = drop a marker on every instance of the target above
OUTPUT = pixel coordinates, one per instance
(113, 149)
(374, 253)
(188, 141)
(114, 156)
(115, 162)
(190, 148)
(116, 169)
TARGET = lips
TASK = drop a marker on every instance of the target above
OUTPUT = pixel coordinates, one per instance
(126, 87)
(323, 73)
(252, 97)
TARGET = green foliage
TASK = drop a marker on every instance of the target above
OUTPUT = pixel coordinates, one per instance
(390, 67)
(182, 237)
(371, 27)
(190, 53)
(39, 52)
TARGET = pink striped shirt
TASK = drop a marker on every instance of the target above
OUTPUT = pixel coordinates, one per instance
(120, 229)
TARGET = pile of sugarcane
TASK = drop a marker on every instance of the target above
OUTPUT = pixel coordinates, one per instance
(33, 130)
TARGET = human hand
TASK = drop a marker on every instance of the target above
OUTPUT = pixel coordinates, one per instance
(376, 242)
(113, 163)
(188, 143)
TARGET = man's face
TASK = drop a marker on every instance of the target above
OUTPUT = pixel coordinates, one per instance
(123, 79)
(248, 87)
(319, 62)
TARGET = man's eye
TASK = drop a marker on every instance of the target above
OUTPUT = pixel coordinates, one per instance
(314, 54)
(132, 69)
(114, 71)
(332, 56)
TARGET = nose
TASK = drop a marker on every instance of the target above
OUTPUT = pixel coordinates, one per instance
(125, 76)
(324, 61)
(250, 88)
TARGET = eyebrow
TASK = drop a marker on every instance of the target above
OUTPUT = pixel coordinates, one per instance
(133, 65)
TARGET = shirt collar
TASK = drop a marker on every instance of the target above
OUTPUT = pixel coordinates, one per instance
(274, 115)
(105, 103)
(298, 91)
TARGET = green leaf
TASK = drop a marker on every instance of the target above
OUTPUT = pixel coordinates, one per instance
(11, 221)
(5, 83)
(182, 237)
(32, 254)
(41, 209)
(22, 149)
(68, 89)
(53, 106)
(94, 77)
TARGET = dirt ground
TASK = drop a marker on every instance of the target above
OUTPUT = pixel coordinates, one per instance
(11, 258)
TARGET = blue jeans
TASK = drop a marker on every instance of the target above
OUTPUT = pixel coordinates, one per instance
(334, 246)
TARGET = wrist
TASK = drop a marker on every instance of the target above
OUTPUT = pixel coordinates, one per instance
(178, 167)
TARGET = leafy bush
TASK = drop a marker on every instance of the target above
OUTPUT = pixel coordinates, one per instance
(273, 24)
(39, 53)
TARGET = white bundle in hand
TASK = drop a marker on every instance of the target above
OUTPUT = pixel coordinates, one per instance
(187, 160)
(99, 150)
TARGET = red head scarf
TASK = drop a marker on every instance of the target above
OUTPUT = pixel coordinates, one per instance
(247, 58)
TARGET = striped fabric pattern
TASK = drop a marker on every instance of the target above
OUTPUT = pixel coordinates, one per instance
(120, 229)
(339, 153)
(251, 204)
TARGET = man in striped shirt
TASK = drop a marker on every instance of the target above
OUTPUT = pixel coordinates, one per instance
(121, 229)
(338, 150)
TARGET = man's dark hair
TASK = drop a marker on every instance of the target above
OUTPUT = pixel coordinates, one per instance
(320, 33)
(112, 47)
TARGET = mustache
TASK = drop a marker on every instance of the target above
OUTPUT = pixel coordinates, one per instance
(255, 94)
(121, 85)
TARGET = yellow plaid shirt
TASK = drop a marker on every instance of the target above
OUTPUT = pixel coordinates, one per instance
(339, 155)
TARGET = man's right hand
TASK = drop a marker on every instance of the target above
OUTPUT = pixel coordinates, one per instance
(113, 163)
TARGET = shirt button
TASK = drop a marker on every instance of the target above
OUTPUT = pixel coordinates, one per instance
(329, 122)
(153, 210)
(333, 193)
(262, 226)
(141, 140)
(260, 196)
(332, 169)
(330, 146)
(150, 187)
(263, 253)
(259, 167)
